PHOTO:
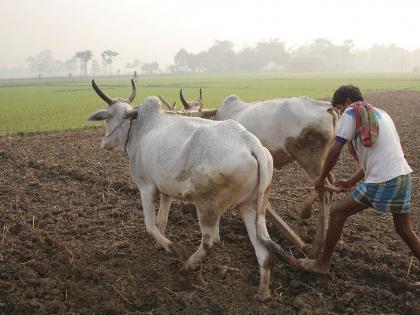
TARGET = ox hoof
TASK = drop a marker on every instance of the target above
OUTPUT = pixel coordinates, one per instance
(306, 212)
(190, 266)
(186, 270)
(310, 265)
(179, 251)
(263, 295)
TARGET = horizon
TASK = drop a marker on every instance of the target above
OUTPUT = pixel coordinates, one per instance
(129, 26)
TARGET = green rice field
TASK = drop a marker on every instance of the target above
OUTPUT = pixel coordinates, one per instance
(38, 105)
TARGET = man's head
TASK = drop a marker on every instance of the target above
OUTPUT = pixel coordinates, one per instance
(346, 95)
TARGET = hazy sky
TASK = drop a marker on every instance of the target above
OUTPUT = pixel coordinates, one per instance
(155, 30)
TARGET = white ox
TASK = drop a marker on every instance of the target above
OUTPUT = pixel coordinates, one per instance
(299, 129)
(214, 165)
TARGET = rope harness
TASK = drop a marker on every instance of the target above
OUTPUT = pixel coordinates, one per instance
(128, 133)
(128, 136)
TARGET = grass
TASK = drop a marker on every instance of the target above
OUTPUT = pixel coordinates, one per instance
(37, 105)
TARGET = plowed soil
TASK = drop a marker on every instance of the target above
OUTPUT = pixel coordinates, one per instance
(73, 240)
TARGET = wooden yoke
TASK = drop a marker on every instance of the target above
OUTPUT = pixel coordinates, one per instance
(205, 113)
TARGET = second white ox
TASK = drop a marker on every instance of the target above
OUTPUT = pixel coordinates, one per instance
(215, 165)
(291, 129)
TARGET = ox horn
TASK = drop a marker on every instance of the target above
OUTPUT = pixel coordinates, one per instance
(201, 101)
(184, 102)
(101, 94)
(133, 91)
(166, 103)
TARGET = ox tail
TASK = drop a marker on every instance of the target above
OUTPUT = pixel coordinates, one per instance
(265, 170)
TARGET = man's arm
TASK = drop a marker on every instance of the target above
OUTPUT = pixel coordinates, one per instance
(344, 185)
(357, 177)
(331, 159)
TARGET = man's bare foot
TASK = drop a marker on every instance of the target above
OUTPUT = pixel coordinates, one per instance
(310, 266)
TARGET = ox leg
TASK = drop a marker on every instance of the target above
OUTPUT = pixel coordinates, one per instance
(312, 164)
(162, 217)
(308, 205)
(209, 226)
(263, 255)
(148, 202)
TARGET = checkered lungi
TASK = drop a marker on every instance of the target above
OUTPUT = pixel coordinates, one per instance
(393, 195)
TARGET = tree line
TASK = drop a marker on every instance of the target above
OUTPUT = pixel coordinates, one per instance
(320, 55)
(44, 63)
(316, 56)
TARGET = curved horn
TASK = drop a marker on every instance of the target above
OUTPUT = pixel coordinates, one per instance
(100, 93)
(200, 100)
(165, 102)
(133, 91)
(184, 102)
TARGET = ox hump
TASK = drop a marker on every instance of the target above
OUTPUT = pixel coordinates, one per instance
(231, 99)
(150, 106)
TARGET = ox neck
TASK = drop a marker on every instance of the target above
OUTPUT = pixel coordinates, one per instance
(125, 134)
(134, 129)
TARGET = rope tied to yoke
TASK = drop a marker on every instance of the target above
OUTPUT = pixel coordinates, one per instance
(127, 138)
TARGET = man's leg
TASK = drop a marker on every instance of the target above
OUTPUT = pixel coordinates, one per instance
(339, 214)
(403, 226)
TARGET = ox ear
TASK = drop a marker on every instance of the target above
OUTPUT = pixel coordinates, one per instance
(99, 115)
(130, 114)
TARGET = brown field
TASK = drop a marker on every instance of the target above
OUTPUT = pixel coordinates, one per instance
(72, 239)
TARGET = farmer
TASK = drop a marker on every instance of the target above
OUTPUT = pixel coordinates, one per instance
(374, 142)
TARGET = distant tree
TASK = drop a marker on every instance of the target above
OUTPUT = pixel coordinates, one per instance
(349, 43)
(322, 55)
(181, 60)
(134, 65)
(272, 51)
(415, 60)
(248, 60)
(346, 53)
(155, 67)
(170, 68)
(218, 58)
(320, 46)
(386, 58)
(150, 68)
(43, 63)
(95, 68)
(107, 57)
(265, 53)
(84, 57)
(70, 64)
